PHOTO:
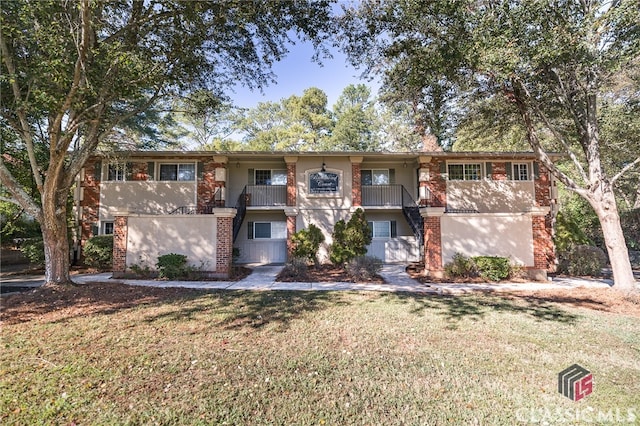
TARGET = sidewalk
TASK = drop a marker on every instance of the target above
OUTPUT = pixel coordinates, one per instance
(263, 277)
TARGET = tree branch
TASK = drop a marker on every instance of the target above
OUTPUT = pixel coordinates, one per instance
(24, 124)
(21, 197)
(624, 170)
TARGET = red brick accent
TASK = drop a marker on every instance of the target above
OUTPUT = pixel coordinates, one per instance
(224, 249)
(291, 185)
(437, 185)
(90, 201)
(543, 249)
(291, 229)
(499, 171)
(356, 185)
(139, 171)
(543, 187)
(208, 186)
(120, 233)
(432, 244)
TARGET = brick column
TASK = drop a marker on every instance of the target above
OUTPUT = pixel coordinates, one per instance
(543, 248)
(224, 249)
(212, 183)
(433, 240)
(90, 202)
(436, 184)
(120, 234)
(356, 181)
(542, 183)
(291, 185)
(498, 171)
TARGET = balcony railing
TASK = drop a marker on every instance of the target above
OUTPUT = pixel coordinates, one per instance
(382, 195)
(265, 195)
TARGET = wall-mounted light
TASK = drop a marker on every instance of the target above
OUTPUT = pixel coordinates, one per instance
(404, 165)
(323, 169)
(237, 164)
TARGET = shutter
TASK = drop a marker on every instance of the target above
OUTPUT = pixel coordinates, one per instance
(536, 170)
(366, 178)
(151, 169)
(200, 169)
(97, 170)
(370, 225)
(94, 230)
(509, 169)
(251, 178)
(392, 176)
(443, 167)
(394, 229)
(250, 230)
(489, 169)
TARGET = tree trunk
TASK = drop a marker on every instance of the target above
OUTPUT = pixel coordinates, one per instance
(607, 212)
(55, 238)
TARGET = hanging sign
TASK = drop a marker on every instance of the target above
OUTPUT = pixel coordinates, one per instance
(323, 183)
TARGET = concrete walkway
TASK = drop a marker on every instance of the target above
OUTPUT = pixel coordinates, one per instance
(263, 277)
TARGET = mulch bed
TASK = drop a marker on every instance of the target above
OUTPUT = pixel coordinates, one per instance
(325, 274)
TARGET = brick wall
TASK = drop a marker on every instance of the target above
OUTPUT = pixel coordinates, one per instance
(224, 237)
(437, 185)
(432, 244)
(208, 187)
(291, 229)
(291, 185)
(120, 233)
(542, 184)
(543, 252)
(356, 185)
(91, 199)
(498, 171)
(139, 171)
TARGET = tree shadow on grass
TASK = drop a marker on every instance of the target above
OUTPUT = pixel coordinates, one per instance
(254, 309)
(475, 307)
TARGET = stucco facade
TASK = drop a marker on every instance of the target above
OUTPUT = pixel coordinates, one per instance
(421, 207)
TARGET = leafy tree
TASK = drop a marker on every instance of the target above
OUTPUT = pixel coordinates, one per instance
(350, 239)
(356, 121)
(306, 243)
(397, 131)
(553, 62)
(74, 71)
(310, 115)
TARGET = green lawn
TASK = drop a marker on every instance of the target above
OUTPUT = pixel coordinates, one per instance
(312, 358)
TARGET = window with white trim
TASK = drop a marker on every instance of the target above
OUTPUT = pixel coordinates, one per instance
(118, 171)
(267, 230)
(179, 171)
(107, 228)
(521, 171)
(464, 171)
(375, 177)
(383, 229)
(270, 177)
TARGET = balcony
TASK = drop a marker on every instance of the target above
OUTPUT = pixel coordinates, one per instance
(382, 195)
(265, 195)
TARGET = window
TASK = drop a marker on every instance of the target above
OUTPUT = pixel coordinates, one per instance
(118, 172)
(107, 228)
(382, 229)
(270, 177)
(470, 171)
(521, 171)
(180, 172)
(267, 230)
(375, 177)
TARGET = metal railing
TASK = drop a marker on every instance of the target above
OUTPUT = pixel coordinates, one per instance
(241, 211)
(265, 195)
(382, 195)
(412, 214)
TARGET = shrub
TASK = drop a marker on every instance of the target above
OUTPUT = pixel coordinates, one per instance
(493, 268)
(296, 268)
(350, 240)
(172, 266)
(306, 243)
(98, 252)
(33, 250)
(363, 268)
(461, 266)
(582, 260)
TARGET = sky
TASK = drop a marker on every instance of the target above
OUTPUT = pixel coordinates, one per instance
(297, 72)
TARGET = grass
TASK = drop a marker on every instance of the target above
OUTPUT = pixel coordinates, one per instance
(312, 358)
